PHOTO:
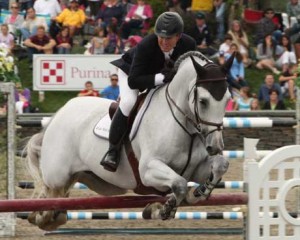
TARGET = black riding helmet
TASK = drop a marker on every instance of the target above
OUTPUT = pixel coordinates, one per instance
(168, 24)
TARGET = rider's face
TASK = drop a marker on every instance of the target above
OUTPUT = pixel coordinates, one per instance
(167, 44)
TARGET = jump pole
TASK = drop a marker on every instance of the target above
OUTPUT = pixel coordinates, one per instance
(26, 205)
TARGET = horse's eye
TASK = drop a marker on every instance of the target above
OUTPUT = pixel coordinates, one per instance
(203, 102)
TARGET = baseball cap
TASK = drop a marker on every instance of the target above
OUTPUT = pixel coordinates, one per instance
(200, 15)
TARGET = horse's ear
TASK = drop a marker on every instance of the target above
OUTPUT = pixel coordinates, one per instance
(199, 69)
(227, 65)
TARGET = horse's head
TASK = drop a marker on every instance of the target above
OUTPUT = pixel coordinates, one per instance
(208, 97)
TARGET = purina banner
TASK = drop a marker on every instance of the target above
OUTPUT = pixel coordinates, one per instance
(70, 72)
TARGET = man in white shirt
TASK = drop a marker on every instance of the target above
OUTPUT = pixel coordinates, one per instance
(31, 23)
(45, 7)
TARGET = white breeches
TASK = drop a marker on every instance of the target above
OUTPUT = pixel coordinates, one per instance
(128, 96)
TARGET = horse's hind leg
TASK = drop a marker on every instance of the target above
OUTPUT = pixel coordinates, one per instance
(51, 220)
(211, 172)
(160, 176)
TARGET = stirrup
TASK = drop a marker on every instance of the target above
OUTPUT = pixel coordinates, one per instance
(110, 165)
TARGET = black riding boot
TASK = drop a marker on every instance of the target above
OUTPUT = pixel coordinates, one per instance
(117, 132)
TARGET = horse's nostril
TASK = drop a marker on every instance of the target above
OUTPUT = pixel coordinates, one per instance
(209, 150)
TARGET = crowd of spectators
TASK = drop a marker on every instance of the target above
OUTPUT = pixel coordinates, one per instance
(120, 24)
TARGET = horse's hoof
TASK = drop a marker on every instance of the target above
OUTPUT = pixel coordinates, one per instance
(168, 215)
(49, 220)
(151, 211)
(32, 218)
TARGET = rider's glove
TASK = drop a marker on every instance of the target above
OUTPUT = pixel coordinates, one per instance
(168, 71)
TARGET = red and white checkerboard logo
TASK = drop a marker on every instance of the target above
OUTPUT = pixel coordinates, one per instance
(53, 72)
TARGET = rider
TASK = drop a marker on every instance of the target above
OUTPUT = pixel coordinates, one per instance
(144, 67)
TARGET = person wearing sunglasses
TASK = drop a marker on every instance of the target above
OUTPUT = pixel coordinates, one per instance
(14, 20)
(112, 91)
(269, 24)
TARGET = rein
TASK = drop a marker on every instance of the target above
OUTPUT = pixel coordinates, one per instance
(196, 123)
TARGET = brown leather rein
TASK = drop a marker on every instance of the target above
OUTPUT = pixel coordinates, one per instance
(199, 120)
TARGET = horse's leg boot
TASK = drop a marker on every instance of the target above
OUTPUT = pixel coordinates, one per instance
(117, 132)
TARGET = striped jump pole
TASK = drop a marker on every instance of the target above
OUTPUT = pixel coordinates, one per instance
(221, 185)
(237, 154)
(178, 215)
(138, 215)
(229, 122)
(257, 122)
(27, 205)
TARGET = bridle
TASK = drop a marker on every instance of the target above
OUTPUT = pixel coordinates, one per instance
(198, 120)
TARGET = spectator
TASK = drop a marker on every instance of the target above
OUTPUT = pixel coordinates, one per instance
(293, 11)
(126, 6)
(98, 42)
(236, 76)
(224, 48)
(22, 98)
(267, 26)
(14, 20)
(243, 103)
(230, 105)
(255, 104)
(25, 4)
(288, 57)
(274, 103)
(72, 17)
(263, 95)
(202, 35)
(287, 82)
(64, 42)
(114, 42)
(138, 17)
(4, 4)
(45, 7)
(29, 26)
(112, 91)
(6, 37)
(110, 13)
(220, 17)
(94, 7)
(132, 42)
(88, 91)
(267, 52)
(239, 37)
(293, 8)
(291, 19)
(39, 43)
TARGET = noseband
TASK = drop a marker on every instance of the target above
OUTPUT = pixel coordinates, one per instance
(198, 120)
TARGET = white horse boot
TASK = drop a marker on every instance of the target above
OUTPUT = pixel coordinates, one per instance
(117, 133)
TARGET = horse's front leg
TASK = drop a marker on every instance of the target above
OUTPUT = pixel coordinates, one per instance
(215, 167)
(157, 174)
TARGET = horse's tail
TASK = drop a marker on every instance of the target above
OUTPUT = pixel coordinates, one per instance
(33, 150)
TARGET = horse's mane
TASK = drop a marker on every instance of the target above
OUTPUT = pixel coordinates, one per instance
(189, 54)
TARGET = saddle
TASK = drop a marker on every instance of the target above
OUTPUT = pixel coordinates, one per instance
(134, 163)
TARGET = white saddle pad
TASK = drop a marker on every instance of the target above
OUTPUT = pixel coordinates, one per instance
(102, 127)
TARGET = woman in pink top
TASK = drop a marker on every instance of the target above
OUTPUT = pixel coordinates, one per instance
(137, 18)
(14, 20)
(6, 37)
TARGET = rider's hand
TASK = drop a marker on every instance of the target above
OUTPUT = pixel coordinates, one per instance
(168, 71)
(168, 74)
